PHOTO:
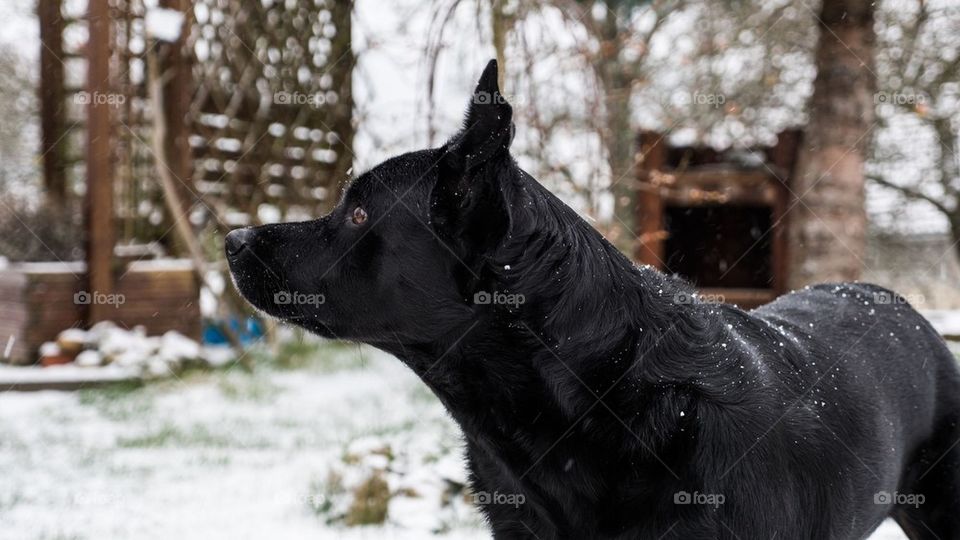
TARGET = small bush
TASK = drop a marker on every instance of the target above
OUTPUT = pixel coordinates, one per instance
(370, 501)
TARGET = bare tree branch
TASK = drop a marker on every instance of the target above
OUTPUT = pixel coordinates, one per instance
(912, 193)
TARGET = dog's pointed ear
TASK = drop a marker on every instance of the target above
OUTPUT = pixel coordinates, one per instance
(468, 202)
(487, 128)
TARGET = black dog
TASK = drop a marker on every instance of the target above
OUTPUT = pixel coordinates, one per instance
(596, 392)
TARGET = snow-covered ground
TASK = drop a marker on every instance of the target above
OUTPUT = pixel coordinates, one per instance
(218, 455)
(232, 455)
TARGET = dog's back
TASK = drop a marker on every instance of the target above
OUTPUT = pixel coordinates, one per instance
(873, 374)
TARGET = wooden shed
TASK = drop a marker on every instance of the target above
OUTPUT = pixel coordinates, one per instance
(717, 217)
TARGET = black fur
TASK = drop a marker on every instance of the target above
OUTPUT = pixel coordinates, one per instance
(611, 390)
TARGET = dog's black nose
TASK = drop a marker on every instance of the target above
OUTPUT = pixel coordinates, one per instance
(237, 240)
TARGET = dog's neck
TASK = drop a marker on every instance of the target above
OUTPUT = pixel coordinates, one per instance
(588, 318)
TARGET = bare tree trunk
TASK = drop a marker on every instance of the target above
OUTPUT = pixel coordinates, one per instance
(500, 24)
(341, 48)
(955, 234)
(620, 139)
(828, 223)
(620, 159)
(949, 166)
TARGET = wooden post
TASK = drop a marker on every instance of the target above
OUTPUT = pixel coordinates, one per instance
(649, 210)
(99, 199)
(51, 100)
(784, 158)
(176, 72)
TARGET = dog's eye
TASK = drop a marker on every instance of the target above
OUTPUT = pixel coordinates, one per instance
(359, 216)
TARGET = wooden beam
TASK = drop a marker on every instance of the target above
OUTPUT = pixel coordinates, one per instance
(177, 76)
(52, 105)
(99, 198)
(784, 158)
(649, 209)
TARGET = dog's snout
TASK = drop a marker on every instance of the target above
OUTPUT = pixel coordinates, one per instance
(237, 240)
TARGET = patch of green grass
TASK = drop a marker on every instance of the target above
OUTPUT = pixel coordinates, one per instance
(309, 353)
(121, 389)
(121, 401)
(169, 435)
(155, 438)
(385, 430)
(240, 386)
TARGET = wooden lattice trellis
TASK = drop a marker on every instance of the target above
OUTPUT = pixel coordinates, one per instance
(271, 114)
(250, 105)
(257, 101)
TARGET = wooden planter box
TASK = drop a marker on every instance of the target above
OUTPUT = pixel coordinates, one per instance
(39, 300)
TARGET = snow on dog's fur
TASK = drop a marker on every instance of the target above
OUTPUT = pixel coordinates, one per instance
(600, 394)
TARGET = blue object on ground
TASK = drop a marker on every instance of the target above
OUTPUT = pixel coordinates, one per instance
(251, 331)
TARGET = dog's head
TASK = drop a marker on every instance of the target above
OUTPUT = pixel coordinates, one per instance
(401, 254)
